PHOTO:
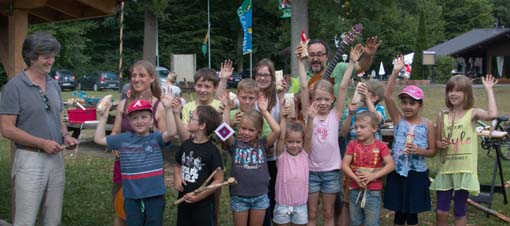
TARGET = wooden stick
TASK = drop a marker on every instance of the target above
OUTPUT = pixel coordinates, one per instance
(229, 181)
(206, 182)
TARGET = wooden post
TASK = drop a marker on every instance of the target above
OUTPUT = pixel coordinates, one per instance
(17, 32)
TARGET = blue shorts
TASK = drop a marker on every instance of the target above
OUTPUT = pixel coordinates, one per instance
(246, 203)
(325, 182)
(284, 214)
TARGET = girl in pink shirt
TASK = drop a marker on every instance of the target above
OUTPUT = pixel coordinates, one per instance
(322, 124)
(292, 176)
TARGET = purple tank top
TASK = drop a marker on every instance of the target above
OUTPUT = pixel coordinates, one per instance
(125, 126)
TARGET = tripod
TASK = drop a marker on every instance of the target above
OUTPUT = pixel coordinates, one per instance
(494, 143)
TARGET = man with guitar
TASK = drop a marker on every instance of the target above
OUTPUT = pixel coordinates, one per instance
(318, 58)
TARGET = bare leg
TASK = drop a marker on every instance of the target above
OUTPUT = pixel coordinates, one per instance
(328, 206)
(240, 218)
(441, 218)
(257, 217)
(313, 199)
(461, 221)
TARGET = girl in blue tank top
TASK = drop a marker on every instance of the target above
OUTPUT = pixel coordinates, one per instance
(407, 188)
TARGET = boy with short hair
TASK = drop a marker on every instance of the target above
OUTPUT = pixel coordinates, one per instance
(141, 161)
(363, 163)
(247, 93)
(372, 92)
(206, 83)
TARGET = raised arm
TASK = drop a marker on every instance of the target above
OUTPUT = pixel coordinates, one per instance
(225, 75)
(262, 103)
(312, 112)
(395, 115)
(492, 109)
(370, 49)
(225, 100)
(171, 131)
(100, 135)
(303, 81)
(182, 131)
(118, 117)
(353, 58)
(346, 124)
(283, 127)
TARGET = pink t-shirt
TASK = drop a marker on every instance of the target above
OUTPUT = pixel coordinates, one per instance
(292, 179)
(325, 154)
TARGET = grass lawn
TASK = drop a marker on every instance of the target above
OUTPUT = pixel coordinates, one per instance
(87, 198)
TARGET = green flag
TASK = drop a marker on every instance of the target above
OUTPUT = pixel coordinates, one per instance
(204, 44)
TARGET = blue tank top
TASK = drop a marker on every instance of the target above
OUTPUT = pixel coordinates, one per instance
(414, 162)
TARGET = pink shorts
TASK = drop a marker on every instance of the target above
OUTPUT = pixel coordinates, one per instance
(117, 177)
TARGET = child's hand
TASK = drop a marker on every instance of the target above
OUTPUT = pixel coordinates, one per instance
(398, 63)
(225, 99)
(366, 177)
(356, 53)
(176, 105)
(300, 49)
(284, 86)
(237, 118)
(410, 148)
(489, 81)
(360, 183)
(116, 153)
(167, 100)
(179, 183)
(262, 102)
(363, 90)
(285, 110)
(444, 143)
(313, 109)
(371, 45)
(191, 198)
(353, 108)
(226, 69)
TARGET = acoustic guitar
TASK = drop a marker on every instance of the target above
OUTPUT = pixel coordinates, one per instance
(353, 34)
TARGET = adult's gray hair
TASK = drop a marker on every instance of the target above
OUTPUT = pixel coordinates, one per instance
(39, 43)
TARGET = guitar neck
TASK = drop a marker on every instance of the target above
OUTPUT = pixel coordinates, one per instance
(334, 61)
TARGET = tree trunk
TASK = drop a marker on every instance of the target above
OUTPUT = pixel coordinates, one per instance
(150, 36)
(299, 22)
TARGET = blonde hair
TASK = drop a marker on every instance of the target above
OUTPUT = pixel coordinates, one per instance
(372, 116)
(323, 85)
(247, 85)
(463, 83)
(256, 118)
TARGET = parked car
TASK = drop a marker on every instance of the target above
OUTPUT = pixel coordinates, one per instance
(237, 77)
(99, 80)
(162, 73)
(65, 78)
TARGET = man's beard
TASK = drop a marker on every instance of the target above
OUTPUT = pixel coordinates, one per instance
(316, 69)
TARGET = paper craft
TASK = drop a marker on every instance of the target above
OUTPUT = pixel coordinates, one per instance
(224, 131)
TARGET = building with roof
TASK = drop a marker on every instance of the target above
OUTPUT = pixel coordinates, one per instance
(479, 52)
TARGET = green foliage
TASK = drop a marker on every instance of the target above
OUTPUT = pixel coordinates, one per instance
(502, 12)
(443, 69)
(73, 41)
(417, 71)
(463, 15)
(3, 76)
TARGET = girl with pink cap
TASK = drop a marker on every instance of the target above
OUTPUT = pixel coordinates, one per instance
(407, 188)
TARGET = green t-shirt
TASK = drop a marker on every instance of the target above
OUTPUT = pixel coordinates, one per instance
(337, 74)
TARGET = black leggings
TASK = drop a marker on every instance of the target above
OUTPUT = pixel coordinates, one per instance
(402, 218)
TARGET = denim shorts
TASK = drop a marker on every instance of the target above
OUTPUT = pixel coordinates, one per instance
(368, 216)
(246, 203)
(284, 214)
(325, 182)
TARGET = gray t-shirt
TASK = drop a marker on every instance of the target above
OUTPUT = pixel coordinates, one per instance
(249, 167)
(37, 113)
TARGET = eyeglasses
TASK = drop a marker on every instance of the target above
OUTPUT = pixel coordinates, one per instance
(318, 55)
(263, 75)
(44, 98)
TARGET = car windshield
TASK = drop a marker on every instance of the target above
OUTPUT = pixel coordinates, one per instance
(64, 72)
(110, 75)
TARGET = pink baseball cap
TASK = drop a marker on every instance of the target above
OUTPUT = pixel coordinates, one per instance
(414, 92)
(139, 105)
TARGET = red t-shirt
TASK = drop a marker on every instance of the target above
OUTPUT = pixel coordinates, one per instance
(367, 157)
